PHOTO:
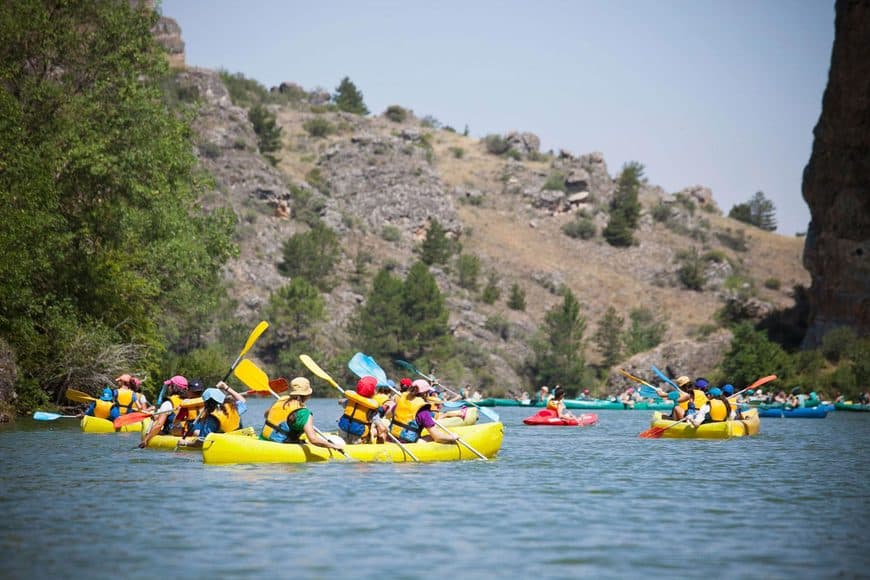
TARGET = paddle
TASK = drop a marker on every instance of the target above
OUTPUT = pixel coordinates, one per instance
(665, 378)
(46, 416)
(135, 417)
(656, 432)
(492, 415)
(79, 397)
(645, 389)
(252, 338)
(319, 372)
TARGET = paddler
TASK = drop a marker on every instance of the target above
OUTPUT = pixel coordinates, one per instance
(360, 407)
(126, 398)
(557, 404)
(104, 407)
(412, 413)
(162, 424)
(288, 418)
(222, 412)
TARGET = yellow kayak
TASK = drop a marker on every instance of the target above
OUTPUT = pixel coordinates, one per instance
(749, 425)
(170, 442)
(96, 425)
(219, 448)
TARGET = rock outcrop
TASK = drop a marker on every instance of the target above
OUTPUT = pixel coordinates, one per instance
(836, 184)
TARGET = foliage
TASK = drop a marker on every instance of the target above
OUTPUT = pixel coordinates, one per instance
(468, 269)
(625, 207)
(645, 331)
(396, 114)
(244, 92)
(349, 98)
(836, 343)
(457, 152)
(752, 355)
(496, 144)
(517, 298)
(491, 291)
(294, 312)
(608, 337)
(555, 181)
(425, 330)
(499, 326)
(735, 241)
(318, 127)
(758, 211)
(691, 270)
(391, 233)
(558, 356)
(267, 130)
(104, 245)
(662, 213)
(582, 228)
(377, 325)
(772, 284)
(311, 255)
(307, 205)
(436, 247)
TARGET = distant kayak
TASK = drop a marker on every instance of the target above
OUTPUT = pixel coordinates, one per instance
(590, 404)
(819, 412)
(548, 417)
(850, 406)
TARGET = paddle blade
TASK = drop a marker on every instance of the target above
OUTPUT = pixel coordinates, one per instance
(279, 385)
(652, 433)
(252, 376)
(130, 418)
(761, 381)
(363, 365)
(255, 334)
(45, 416)
(78, 396)
(648, 392)
(317, 371)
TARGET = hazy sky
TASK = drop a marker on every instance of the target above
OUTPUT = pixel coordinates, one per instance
(723, 93)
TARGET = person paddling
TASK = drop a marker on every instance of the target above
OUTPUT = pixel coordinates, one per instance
(126, 399)
(412, 413)
(360, 407)
(288, 418)
(220, 414)
(557, 404)
(162, 424)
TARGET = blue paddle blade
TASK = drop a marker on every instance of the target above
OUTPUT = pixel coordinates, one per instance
(664, 377)
(363, 365)
(45, 416)
(647, 392)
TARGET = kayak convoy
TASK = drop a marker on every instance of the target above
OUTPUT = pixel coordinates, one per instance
(409, 421)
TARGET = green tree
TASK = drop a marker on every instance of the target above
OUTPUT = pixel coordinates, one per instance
(559, 348)
(625, 207)
(349, 98)
(294, 312)
(425, 327)
(758, 211)
(106, 260)
(377, 326)
(644, 332)
(691, 270)
(267, 130)
(608, 337)
(836, 343)
(312, 255)
(491, 292)
(468, 268)
(517, 298)
(752, 355)
(436, 247)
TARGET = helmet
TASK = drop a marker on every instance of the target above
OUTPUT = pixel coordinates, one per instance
(125, 378)
(215, 395)
(178, 381)
(702, 383)
(728, 389)
(299, 387)
(367, 386)
(674, 395)
(195, 385)
(682, 381)
(585, 391)
(715, 392)
(404, 383)
(107, 395)
(422, 386)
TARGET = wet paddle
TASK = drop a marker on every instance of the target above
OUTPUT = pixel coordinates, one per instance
(46, 416)
(645, 389)
(492, 415)
(135, 417)
(79, 397)
(252, 338)
(665, 378)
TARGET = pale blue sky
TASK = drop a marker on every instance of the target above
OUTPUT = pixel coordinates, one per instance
(723, 93)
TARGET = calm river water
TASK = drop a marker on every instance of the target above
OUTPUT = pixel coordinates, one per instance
(557, 503)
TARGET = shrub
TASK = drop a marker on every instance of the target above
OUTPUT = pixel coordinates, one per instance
(468, 267)
(267, 130)
(391, 233)
(497, 325)
(716, 256)
(396, 114)
(457, 152)
(661, 213)
(491, 292)
(582, 228)
(496, 144)
(243, 92)
(837, 342)
(691, 270)
(772, 284)
(349, 99)
(735, 241)
(307, 206)
(517, 299)
(430, 122)
(555, 182)
(311, 255)
(210, 150)
(318, 127)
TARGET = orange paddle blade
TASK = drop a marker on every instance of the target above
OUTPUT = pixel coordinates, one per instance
(279, 385)
(130, 418)
(652, 433)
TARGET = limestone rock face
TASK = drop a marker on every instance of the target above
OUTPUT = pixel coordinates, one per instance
(836, 184)
(168, 33)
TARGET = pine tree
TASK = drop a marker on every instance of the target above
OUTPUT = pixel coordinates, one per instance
(468, 268)
(267, 130)
(644, 332)
(491, 292)
(625, 207)
(758, 211)
(377, 327)
(517, 299)
(558, 348)
(436, 248)
(608, 337)
(425, 325)
(293, 311)
(312, 255)
(349, 98)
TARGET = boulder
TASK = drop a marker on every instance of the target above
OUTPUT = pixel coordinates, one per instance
(524, 143)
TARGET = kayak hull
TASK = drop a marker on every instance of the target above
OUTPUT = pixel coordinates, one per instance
(223, 449)
(851, 407)
(91, 424)
(750, 425)
(797, 413)
(170, 442)
(550, 419)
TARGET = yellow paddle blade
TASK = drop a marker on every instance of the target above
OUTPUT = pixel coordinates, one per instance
(79, 397)
(255, 334)
(315, 368)
(252, 376)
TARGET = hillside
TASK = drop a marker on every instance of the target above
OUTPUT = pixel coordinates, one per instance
(369, 173)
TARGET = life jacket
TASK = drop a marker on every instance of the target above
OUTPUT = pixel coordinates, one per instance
(381, 398)
(718, 410)
(125, 399)
(227, 417)
(553, 405)
(103, 409)
(169, 426)
(404, 424)
(355, 419)
(279, 417)
(700, 399)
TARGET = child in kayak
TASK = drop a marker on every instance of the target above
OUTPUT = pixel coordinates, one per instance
(412, 413)
(288, 419)
(557, 405)
(219, 415)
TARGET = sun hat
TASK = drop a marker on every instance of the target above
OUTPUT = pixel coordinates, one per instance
(728, 389)
(422, 386)
(213, 394)
(178, 381)
(299, 387)
(367, 386)
(682, 381)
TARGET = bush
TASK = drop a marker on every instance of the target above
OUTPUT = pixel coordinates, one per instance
(691, 270)
(772, 284)
(496, 144)
(735, 241)
(430, 122)
(717, 256)
(555, 182)
(517, 299)
(318, 127)
(468, 267)
(243, 92)
(837, 342)
(311, 255)
(349, 99)
(582, 228)
(491, 292)
(661, 213)
(497, 325)
(457, 152)
(267, 130)
(391, 233)
(396, 114)
(210, 150)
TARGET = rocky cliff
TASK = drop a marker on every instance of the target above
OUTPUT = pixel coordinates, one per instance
(836, 184)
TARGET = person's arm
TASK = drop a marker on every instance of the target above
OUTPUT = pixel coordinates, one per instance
(700, 415)
(156, 426)
(315, 439)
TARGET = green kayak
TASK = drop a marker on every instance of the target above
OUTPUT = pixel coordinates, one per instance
(849, 406)
(591, 404)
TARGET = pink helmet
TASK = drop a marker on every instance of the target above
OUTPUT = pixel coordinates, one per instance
(422, 386)
(178, 381)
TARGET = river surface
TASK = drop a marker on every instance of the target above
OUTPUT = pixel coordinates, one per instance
(558, 502)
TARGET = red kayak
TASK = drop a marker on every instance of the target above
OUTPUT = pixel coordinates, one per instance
(549, 417)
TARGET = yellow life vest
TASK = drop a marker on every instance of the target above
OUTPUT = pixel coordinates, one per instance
(277, 414)
(126, 398)
(700, 399)
(718, 412)
(381, 398)
(103, 409)
(553, 405)
(228, 417)
(355, 419)
(404, 424)
(189, 409)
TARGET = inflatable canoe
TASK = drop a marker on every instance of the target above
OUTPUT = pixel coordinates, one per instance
(96, 425)
(170, 442)
(749, 425)
(819, 412)
(470, 418)
(850, 406)
(219, 448)
(548, 417)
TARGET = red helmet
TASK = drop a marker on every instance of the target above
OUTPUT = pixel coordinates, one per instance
(405, 382)
(367, 386)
